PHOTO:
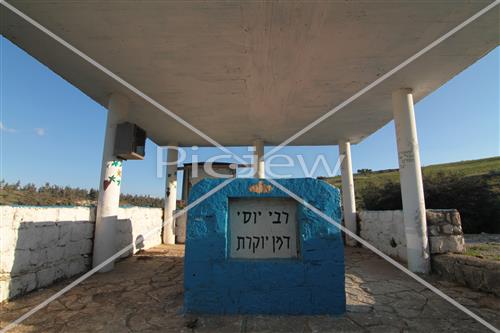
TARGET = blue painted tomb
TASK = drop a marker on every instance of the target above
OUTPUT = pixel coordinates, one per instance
(251, 249)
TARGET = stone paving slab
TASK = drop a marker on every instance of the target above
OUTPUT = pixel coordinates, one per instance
(144, 294)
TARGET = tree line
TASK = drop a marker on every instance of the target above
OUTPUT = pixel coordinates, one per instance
(55, 195)
(476, 197)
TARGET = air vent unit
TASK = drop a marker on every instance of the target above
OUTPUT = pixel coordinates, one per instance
(130, 142)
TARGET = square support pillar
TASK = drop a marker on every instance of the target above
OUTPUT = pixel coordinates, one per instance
(410, 173)
(348, 196)
(109, 187)
(170, 195)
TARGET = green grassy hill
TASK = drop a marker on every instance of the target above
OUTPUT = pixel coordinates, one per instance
(482, 167)
(472, 187)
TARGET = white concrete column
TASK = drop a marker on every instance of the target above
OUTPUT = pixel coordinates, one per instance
(412, 191)
(109, 187)
(258, 161)
(170, 196)
(348, 197)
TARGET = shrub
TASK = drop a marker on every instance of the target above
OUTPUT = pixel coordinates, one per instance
(475, 197)
(472, 196)
(386, 196)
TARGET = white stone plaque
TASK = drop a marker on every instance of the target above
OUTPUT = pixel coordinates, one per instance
(263, 228)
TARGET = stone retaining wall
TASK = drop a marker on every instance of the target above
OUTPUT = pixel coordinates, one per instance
(385, 229)
(477, 274)
(40, 245)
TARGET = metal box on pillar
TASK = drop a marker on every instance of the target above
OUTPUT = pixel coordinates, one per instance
(251, 249)
(130, 142)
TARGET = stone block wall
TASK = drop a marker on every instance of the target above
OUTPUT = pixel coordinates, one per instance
(40, 245)
(385, 229)
(475, 273)
(138, 223)
(445, 231)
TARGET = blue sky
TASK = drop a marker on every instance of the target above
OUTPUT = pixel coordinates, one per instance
(51, 132)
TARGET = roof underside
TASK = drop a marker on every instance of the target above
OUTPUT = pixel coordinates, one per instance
(239, 71)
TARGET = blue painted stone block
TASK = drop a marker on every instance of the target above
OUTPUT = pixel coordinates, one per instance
(311, 284)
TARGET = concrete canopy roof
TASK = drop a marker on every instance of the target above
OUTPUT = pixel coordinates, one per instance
(239, 71)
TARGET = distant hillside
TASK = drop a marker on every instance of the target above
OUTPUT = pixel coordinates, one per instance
(54, 195)
(472, 187)
(483, 167)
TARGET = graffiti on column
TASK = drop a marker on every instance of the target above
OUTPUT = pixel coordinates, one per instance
(113, 174)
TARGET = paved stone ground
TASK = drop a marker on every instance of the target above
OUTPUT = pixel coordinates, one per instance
(483, 246)
(144, 294)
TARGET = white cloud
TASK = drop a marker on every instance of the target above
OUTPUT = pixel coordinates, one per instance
(3, 128)
(40, 131)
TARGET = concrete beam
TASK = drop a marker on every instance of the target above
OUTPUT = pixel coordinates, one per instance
(109, 187)
(410, 173)
(244, 94)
